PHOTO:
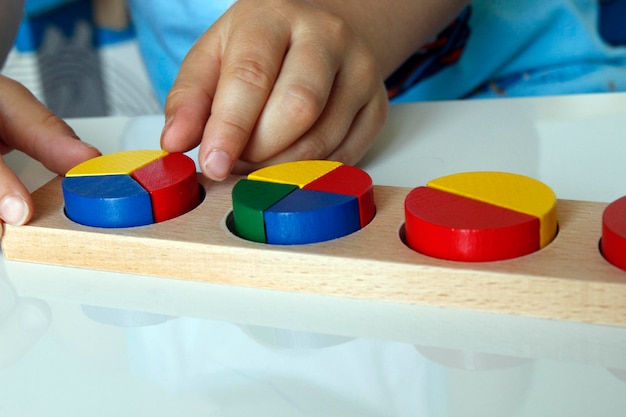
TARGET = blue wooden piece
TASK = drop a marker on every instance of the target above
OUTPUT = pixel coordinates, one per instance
(308, 216)
(107, 201)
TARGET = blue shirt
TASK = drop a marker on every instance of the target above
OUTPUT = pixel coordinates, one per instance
(501, 48)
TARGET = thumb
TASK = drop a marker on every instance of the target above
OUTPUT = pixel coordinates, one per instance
(15, 202)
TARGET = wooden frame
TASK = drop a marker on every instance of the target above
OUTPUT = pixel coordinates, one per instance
(567, 280)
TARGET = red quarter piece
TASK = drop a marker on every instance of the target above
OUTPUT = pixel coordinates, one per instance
(172, 184)
(613, 243)
(352, 181)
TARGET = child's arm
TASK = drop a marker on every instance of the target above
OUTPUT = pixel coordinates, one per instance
(277, 80)
(28, 126)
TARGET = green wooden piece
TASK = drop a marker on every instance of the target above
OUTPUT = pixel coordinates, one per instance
(250, 200)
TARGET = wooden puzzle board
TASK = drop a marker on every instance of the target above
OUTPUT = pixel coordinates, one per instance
(567, 280)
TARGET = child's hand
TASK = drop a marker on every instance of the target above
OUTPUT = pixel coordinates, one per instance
(28, 126)
(274, 81)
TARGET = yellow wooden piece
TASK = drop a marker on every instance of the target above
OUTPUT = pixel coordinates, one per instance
(119, 163)
(298, 173)
(511, 191)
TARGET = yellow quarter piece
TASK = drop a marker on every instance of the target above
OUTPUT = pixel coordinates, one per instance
(298, 173)
(506, 190)
(119, 163)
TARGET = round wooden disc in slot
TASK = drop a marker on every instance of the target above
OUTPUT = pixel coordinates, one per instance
(131, 188)
(480, 216)
(302, 202)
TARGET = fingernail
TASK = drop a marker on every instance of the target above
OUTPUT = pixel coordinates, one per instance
(13, 210)
(218, 165)
(167, 125)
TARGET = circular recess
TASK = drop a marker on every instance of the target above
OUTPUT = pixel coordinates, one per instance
(302, 202)
(480, 216)
(131, 188)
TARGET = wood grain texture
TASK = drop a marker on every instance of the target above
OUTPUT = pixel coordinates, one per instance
(567, 280)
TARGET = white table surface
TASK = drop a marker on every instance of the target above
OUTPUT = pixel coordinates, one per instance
(89, 343)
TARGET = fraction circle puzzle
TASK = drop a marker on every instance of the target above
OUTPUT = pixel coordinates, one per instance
(613, 241)
(302, 202)
(131, 188)
(480, 216)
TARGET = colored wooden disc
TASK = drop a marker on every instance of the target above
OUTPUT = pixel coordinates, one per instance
(452, 227)
(302, 202)
(348, 180)
(507, 190)
(480, 216)
(613, 242)
(118, 163)
(131, 188)
(307, 216)
(106, 201)
(172, 184)
(298, 173)
(250, 200)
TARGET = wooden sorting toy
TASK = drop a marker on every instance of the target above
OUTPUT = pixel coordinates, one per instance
(480, 216)
(132, 188)
(302, 202)
(613, 243)
(567, 279)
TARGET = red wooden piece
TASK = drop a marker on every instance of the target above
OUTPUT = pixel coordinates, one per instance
(452, 227)
(613, 243)
(310, 216)
(172, 184)
(348, 180)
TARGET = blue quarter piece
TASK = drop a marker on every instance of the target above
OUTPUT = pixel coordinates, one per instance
(107, 201)
(308, 216)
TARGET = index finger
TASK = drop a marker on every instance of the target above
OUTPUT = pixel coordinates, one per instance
(251, 62)
(28, 126)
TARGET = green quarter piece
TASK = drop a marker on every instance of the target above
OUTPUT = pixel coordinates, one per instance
(250, 200)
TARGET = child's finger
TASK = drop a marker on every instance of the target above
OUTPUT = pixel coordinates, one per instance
(16, 206)
(301, 92)
(189, 101)
(250, 65)
(28, 126)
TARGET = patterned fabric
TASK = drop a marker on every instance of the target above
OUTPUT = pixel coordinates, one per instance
(432, 57)
(81, 59)
(532, 47)
(495, 48)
